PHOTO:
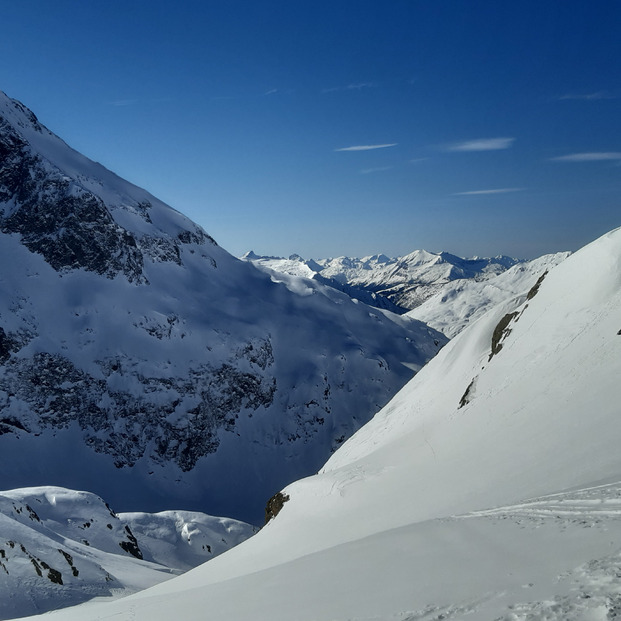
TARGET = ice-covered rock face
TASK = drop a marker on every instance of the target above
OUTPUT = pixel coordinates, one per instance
(141, 361)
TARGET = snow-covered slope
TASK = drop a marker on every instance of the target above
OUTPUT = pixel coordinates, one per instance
(60, 547)
(487, 489)
(463, 301)
(142, 362)
(398, 284)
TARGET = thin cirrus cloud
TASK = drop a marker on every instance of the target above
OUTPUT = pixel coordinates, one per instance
(482, 144)
(597, 156)
(369, 171)
(494, 191)
(368, 147)
(589, 96)
(354, 86)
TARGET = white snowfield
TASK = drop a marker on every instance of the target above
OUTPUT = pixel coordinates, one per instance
(60, 547)
(488, 488)
(464, 301)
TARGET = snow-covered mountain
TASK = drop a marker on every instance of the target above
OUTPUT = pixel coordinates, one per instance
(488, 488)
(464, 301)
(398, 284)
(142, 362)
(59, 547)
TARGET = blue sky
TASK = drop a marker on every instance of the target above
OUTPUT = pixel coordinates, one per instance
(342, 127)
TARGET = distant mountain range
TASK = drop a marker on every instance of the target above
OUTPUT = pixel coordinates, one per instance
(397, 284)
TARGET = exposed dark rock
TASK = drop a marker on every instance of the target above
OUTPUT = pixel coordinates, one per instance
(67, 556)
(131, 545)
(32, 514)
(274, 505)
(198, 236)
(535, 288)
(160, 249)
(53, 574)
(131, 424)
(465, 399)
(9, 424)
(501, 331)
(69, 226)
(36, 566)
(8, 345)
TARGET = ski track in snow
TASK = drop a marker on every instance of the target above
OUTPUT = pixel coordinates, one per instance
(595, 586)
(588, 507)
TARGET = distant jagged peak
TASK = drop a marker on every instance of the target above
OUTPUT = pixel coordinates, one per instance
(251, 255)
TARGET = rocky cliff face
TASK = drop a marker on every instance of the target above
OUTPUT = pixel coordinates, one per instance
(139, 360)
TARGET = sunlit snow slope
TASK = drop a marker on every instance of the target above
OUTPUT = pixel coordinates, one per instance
(489, 488)
(463, 301)
(60, 547)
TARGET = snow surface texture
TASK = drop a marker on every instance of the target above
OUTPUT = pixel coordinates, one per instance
(488, 488)
(395, 284)
(141, 361)
(61, 547)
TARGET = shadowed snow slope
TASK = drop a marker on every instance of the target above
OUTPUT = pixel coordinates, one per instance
(489, 486)
(141, 361)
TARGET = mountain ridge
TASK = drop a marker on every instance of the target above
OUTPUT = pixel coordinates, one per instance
(403, 283)
(167, 368)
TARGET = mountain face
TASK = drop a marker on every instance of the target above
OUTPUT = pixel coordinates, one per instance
(399, 284)
(488, 488)
(61, 547)
(464, 301)
(141, 361)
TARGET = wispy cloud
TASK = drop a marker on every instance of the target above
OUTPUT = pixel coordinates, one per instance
(494, 191)
(142, 101)
(482, 144)
(368, 147)
(416, 160)
(357, 86)
(368, 171)
(353, 86)
(589, 96)
(598, 156)
(272, 91)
